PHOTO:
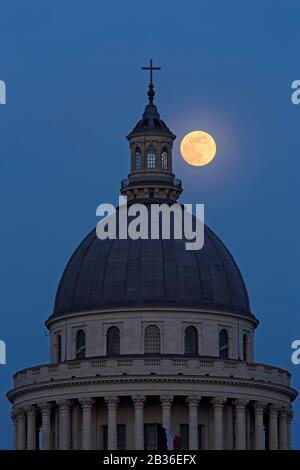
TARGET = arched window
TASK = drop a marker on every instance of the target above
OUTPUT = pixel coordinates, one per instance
(223, 344)
(245, 347)
(191, 341)
(113, 341)
(138, 158)
(80, 344)
(164, 158)
(152, 340)
(58, 348)
(151, 157)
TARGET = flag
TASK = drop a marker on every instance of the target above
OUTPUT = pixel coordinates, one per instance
(167, 440)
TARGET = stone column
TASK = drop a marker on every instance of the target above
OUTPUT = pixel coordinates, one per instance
(87, 408)
(166, 405)
(31, 428)
(218, 406)
(289, 428)
(46, 409)
(273, 427)
(112, 403)
(139, 402)
(22, 441)
(14, 418)
(259, 437)
(193, 402)
(228, 415)
(240, 424)
(283, 428)
(64, 425)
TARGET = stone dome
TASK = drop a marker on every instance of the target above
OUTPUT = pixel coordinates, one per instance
(104, 274)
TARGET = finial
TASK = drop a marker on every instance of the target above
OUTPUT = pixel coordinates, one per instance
(151, 91)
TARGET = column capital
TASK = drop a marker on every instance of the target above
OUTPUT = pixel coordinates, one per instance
(166, 400)
(31, 411)
(86, 403)
(218, 402)
(111, 401)
(274, 410)
(259, 406)
(64, 405)
(193, 400)
(138, 400)
(284, 412)
(45, 407)
(21, 414)
(240, 404)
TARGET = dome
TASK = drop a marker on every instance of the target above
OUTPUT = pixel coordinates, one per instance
(104, 274)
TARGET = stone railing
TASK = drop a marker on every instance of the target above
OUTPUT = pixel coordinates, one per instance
(178, 183)
(160, 179)
(142, 365)
(124, 183)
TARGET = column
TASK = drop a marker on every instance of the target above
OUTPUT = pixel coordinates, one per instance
(139, 402)
(166, 405)
(193, 402)
(289, 428)
(228, 415)
(240, 424)
(14, 418)
(64, 424)
(87, 408)
(31, 428)
(273, 427)
(259, 437)
(218, 406)
(22, 442)
(283, 428)
(46, 409)
(112, 403)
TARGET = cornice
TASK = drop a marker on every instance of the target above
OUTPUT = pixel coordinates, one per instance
(253, 384)
(63, 317)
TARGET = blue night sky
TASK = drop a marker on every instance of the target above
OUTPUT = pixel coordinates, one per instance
(75, 88)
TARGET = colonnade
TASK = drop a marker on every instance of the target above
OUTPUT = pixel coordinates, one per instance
(28, 420)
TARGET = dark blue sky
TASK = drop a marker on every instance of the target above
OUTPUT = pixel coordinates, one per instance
(74, 89)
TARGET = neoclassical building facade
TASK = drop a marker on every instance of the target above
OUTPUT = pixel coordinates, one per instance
(145, 332)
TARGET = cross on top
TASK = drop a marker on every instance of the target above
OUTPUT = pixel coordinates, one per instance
(151, 68)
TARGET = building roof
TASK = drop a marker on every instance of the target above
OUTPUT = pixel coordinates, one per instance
(151, 124)
(104, 274)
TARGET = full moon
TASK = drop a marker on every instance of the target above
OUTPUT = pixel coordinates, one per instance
(198, 148)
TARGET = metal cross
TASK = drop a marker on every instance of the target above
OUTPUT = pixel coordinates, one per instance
(151, 68)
